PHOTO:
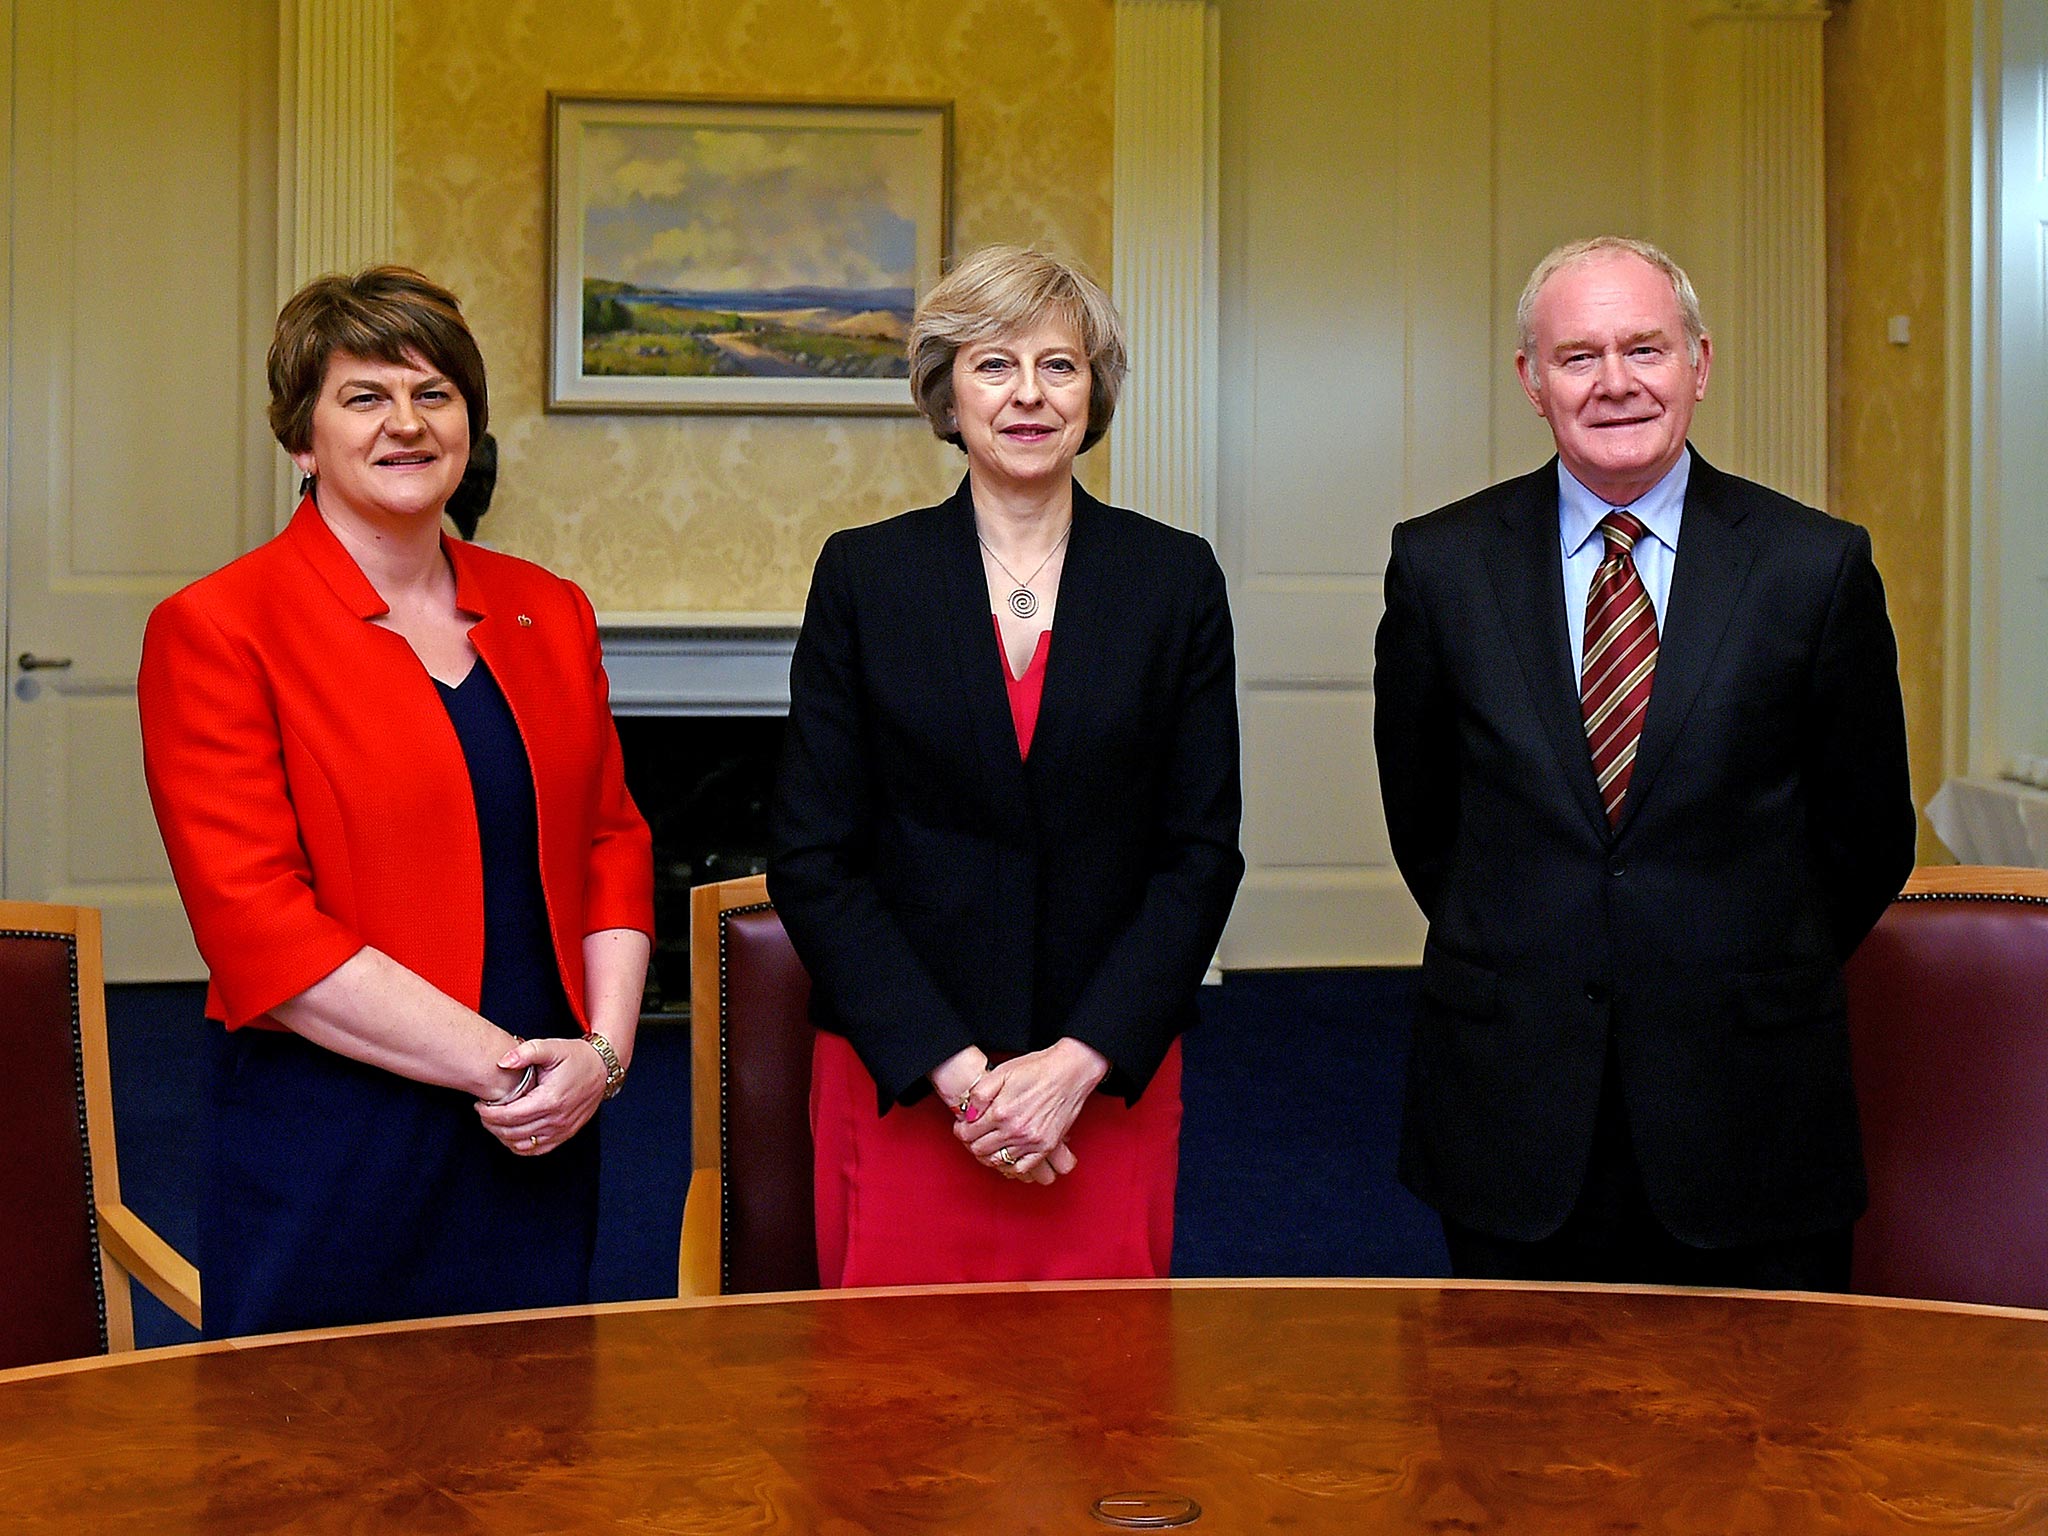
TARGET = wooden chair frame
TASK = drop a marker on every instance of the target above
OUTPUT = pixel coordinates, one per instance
(129, 1246)
(700, 1261)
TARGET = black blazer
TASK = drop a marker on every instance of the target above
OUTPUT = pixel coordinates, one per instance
(943, 892)
(1767, 825)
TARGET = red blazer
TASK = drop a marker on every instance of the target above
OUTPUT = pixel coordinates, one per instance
(311, 791)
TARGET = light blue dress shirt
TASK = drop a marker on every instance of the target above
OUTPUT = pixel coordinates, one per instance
(1578, 522)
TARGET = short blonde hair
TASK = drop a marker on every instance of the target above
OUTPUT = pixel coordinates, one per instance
(999, 291)
(1574, 252)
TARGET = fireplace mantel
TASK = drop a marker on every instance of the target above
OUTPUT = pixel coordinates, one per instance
(688, 664)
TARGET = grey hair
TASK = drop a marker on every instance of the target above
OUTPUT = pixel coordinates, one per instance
(999, 291)
(1575, 252)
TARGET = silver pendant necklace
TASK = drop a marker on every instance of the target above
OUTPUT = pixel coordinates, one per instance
(1022, 600)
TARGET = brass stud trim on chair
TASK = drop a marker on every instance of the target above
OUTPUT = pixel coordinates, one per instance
(92, 1206)
(2019, 897)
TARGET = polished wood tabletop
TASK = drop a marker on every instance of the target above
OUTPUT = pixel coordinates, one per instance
(1281, 1406)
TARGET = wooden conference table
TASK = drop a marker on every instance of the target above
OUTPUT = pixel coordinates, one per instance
(1294, 1406)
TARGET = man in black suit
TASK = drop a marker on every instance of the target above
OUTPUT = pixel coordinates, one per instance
(1643, 757)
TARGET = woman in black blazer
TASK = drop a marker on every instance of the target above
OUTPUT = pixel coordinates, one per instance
(1006, 861)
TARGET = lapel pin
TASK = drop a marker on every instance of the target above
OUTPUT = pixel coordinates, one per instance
(525, 622)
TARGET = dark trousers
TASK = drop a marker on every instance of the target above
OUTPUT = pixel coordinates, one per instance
(1612, 1235)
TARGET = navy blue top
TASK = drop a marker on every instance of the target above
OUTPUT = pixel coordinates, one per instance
(340, 1193)
(522, 986)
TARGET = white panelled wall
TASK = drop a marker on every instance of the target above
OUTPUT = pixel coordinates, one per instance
(141, 251)
(164, 199)
(2010, 707)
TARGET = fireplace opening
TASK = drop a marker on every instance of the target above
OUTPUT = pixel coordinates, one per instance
(704, 783)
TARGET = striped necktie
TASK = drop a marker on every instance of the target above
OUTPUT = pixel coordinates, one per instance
(1621, 661)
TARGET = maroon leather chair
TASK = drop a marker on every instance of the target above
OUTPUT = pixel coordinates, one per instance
(71, 1244)
(1948, 1017)
(748, 1223)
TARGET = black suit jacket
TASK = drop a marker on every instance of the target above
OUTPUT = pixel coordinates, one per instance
(1767, 825)
(942, 891)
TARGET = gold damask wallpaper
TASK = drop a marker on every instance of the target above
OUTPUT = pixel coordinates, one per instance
(704, 514)
(1887, 221)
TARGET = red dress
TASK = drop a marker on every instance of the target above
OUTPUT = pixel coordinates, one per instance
(901, 1202)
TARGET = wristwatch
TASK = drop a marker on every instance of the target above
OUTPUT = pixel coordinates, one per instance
(614, 1069)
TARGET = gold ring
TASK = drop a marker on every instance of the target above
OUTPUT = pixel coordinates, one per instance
(1007, 1157)
(533, 1141)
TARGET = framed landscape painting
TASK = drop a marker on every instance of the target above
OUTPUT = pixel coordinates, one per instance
(720, 255)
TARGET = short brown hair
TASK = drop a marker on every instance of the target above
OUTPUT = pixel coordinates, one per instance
(380, 313)
(999, 291)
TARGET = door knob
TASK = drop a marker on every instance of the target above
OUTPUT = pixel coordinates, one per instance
(29, 661)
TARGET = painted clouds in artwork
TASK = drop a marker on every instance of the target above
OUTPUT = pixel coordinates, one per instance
(715, 208)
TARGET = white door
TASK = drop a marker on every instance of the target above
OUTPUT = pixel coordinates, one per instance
(1334, 280)
(2020, 625)
(142, 283)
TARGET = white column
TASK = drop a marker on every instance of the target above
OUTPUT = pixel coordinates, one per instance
(1774, 249)
(1162, 444)
(335, 159)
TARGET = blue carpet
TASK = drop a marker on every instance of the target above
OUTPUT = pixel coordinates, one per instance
(1293, 1088)
(1293, 1108)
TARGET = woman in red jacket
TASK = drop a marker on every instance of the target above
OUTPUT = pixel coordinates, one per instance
(386, 773)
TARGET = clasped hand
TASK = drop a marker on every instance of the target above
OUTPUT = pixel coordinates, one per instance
(1015, 1117)
(568, 1085)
